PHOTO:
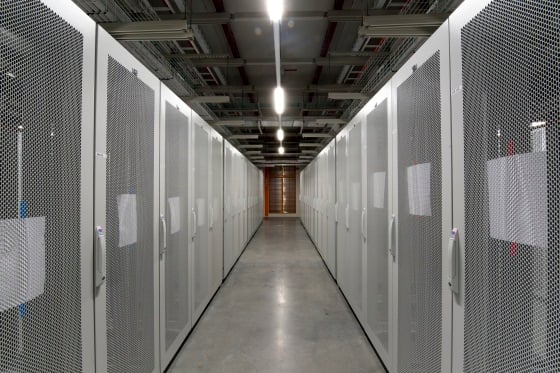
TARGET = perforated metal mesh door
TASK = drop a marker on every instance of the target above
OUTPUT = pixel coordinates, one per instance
(511, 80)
(217, 212)
(331, 229)
(130, 222)
(377, 221)
(419, 225)
(177, 307)
(229, 195)
(40, 161)
(355, 215)
(341, 200)
(201, 250)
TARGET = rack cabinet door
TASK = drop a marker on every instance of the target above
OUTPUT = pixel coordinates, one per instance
(175, 307)
(506, 145)
(422, 207)
(126, 211)
(46, 187)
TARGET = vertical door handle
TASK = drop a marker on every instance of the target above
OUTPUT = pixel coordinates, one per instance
(163, 248)
(391, 243)
(453, 265)
(347, 216)
(195, 223)
(100, 264)
(363, 223)
(211, 217)
(336, 212)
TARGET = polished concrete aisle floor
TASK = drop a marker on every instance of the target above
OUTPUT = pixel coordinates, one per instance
(278, 311)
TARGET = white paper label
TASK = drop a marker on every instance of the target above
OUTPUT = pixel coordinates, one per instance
(201, 211)
(22, 261)
(517, 191)
(128, 226)
(378, 186)
(175, 214)
(419, 189)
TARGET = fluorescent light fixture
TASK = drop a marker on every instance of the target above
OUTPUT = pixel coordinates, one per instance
(252, 152)
(309, 151)
(280, 134)
(251, 146)
(316, 135)
(281, 150)
(275, 9)
(279, 100)
(244, 137)
(538, 124)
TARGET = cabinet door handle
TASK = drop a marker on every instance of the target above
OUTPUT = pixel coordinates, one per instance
(163, 248)
(100, 249)
(195, 223)
(391, 243)
(453, 264)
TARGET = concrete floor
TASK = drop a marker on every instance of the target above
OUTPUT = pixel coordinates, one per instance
(278, 311)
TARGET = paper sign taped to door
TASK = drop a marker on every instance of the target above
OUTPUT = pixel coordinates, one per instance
(517, 193)
(175, 214)
(419, 189)
(379, 189)
(128, 225)
(22, 261)
(201, 211)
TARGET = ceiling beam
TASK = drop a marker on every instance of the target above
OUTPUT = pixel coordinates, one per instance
(221, 18)
(213, 61)
(149, 30)
(397, 32)
(405, 20)
(401, 26)
(320, 88)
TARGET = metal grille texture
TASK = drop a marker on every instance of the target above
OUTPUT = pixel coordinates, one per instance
(201, 192)
(511, 80)
(217, 211)
(130, 222)
(177, 214)
(377, 219)
(419, 224)
(41, 62)
(354, 236)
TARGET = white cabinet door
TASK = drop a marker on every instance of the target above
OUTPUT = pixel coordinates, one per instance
(175, 216)
(505, 86)
(379, 320)
(422, 206)
(342, 251)
(46, 187)
(127, 207)
(201, 251)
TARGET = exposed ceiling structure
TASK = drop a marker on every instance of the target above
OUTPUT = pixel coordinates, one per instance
(335, 55)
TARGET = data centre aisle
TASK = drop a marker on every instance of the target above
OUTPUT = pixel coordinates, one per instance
(278, 311)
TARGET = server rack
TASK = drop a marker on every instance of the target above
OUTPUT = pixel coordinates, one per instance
(505, 94)
(379, 319)
(216, 215)
(175, 186)
(126, 211)
(46, 132)
(422, 206)
(201, 264)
